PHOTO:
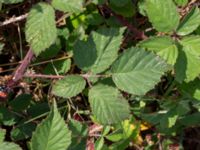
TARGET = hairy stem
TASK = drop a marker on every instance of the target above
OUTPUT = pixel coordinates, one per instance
(18, 74)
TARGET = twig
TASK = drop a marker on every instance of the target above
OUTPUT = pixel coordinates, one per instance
(13, 20)
(86, 76)
(138, 34)
(18, 74)
(95, 128)
(36, 64)
(31, 75)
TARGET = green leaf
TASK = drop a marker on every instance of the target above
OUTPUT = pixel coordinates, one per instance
(38, 109)
(9, 146)
(2, 135)
(163, 46)
(11, 1)
(99, 143)
(21, 102)
(68, 5)
(191, 89)
(191, 120)
(69, 86)
(170, 120)
(95, 18)
(58, 67)
(190, 22)
(99, 51)
(137, 71)
(176, 111)
(41, 27)
(7, 117)
(108, 105)
(80, 133)
(127, 10)
(23, 131)
(52, 133)
(162, 14)
(52, 51)
(100, 2)
(181, 2)
(120, 3)
(187, 66)
(142, 7)
(193, 42)
(115, 136)
(1, 47)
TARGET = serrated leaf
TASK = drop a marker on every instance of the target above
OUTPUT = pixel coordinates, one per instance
(72, 6)
(127, 10)
(191, 89)
(188, 60)
(187, 66)
(22, 131)
(119, 3)
(51, 52)
(2, 135)
(99, 143)
(9, 146)
(163, 46)
(99, 51)
(41, 27)
(95, 18)
(142, 7)
(162, 14)
(190, 22)
(58, 67)
(38, 109)
(11, 1)
(52, 133)
(193, 42)
(137, 71)
(80, 133)
(21, 102)
(191, 120)
(107, 104)
(7, 117)
(181, 2)
(69, 86)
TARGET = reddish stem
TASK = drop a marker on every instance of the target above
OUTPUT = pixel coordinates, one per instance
(18, 74)
(138, 34)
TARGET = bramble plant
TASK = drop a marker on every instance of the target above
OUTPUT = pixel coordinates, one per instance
(100, 74)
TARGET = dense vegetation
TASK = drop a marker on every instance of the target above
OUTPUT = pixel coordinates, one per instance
(99, 74)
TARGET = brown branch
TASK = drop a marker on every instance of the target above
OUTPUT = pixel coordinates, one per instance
(138, 34)
(86, 76)
(18, 74)
(31, 75)
(13, 20)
